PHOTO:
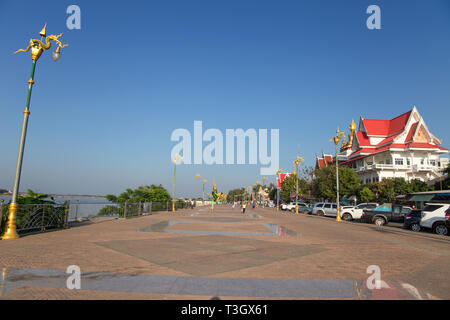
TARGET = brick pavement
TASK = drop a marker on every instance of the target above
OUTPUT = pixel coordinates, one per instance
(324, 249)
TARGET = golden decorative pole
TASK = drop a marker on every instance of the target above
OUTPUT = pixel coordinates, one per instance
(175, 161)
(203, 194)
(263, 180)
(297, 162)
(37, 47)
(339, 135)
(278, 189)
(197, 176)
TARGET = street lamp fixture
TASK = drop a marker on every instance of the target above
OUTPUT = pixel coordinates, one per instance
(339, 135)
(36, 48)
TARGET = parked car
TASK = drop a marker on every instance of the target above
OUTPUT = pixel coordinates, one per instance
(302, 207)
(354, 213)
(317, 206)
(447, 218)
(412, 220)
(434, 217)
(328, 209)
(385, 213)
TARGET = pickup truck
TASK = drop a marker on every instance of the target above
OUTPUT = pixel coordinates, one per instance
(385, 213)
(354, 213)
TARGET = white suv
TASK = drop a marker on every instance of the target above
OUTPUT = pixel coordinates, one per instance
(291, 206)
(352, 213)
(433, 217)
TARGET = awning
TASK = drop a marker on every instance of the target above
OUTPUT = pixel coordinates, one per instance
(421, 197)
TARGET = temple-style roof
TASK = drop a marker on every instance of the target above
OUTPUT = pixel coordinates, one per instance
(406, 131)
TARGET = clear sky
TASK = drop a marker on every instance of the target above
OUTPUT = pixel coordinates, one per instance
(102, 116)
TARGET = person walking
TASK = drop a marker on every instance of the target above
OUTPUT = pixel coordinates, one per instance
(243, 207)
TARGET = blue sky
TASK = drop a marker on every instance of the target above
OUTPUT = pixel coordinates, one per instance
(102, 116)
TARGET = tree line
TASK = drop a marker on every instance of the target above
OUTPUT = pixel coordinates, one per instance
(321, 184)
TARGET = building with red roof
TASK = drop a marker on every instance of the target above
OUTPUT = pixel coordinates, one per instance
(400, 147)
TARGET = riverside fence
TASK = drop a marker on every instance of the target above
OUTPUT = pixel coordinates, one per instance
(80, 211)
(36, 218)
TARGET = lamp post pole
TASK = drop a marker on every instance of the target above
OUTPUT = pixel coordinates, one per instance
(297, 162)
(175, 161)
(338, 216)
(203, 192)
(37, 47)
(339, 135)
(278, 189)
(263, 199)
(197, 176)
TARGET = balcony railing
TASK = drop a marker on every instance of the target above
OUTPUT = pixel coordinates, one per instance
(414, 168)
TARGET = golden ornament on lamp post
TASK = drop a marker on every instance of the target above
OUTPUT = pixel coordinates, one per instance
(175, 161)
(36, 48)
(339, 135)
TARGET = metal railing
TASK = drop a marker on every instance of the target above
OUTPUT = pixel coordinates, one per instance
(35, 218)
(99, 210)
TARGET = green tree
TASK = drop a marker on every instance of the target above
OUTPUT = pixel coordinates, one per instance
(288, 187)
(35, 198)
(236, 194)
(366, 195)
(417, 185)
(324, 183)
(154, 193)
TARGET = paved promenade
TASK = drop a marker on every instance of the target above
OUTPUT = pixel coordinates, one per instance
(199, 254)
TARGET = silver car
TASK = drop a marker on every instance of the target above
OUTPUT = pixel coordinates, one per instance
(317, 206)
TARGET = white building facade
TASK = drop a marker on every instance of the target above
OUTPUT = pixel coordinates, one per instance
(402, 147)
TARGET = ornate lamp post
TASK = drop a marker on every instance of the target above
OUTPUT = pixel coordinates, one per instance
(263, 180)
(197, 176)
(278, 189)
(203, 193)
(339, 135)
(175, 161)
(297, 162)
(256, 191)
(37, 47)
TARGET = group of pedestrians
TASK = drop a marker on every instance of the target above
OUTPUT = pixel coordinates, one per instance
(242, 205)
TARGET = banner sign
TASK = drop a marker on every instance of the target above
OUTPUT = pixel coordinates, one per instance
(281, 177)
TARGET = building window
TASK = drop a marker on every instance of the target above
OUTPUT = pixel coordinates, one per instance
(422, 161)
(388, 161)
(408, 162)
(433, 163)
(399, 161)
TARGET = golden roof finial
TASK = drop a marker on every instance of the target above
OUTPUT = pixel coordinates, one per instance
(353, 126)
(43, 32)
